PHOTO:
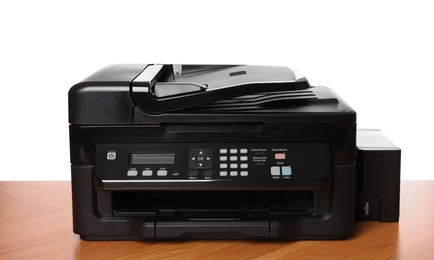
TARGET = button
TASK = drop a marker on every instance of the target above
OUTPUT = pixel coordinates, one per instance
(279, 156)
(200, 159)
(234, 165)
(233, 158)
(234, 173)
(192, 173)
(223, 158)
(234, 151)
(161, 173)
(132, 172)
(223, 173)
(207, 173)
(147, 173)
(223, 150)
(223, 165)
(243, 150)
(243, 158)
(244, 166)
(244, 173)
(286, 170)
(275, 170)
(111, 155)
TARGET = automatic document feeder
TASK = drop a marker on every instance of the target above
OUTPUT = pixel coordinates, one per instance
(222, 152)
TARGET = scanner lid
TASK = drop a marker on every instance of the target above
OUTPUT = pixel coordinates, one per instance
(160, 88)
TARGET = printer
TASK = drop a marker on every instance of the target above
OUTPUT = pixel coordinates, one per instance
(171, 151)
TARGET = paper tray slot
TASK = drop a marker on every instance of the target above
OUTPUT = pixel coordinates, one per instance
(182, 204)
(213, 214)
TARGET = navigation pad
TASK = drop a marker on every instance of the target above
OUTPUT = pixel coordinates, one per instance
(200, 159)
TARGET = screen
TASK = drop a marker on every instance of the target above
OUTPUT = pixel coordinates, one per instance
(152, 158)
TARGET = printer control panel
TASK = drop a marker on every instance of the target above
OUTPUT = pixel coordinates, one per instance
(142, 162)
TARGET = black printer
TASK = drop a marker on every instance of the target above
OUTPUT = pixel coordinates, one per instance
(169, 151)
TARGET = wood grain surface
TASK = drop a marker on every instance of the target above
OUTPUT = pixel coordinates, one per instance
(35, 223)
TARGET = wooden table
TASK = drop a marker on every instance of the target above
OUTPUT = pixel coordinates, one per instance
(35, 223)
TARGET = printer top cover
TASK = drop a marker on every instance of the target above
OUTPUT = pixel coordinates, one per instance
(210, 151)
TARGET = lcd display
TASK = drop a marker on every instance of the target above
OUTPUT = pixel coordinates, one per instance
(152, 158)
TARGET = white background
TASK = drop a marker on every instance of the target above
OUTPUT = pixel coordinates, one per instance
(377, 55)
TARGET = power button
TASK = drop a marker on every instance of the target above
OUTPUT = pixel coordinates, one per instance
(111, 155)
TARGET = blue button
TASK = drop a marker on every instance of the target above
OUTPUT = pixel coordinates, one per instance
(286, 170)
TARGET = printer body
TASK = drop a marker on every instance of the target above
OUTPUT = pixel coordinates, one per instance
(167, 152)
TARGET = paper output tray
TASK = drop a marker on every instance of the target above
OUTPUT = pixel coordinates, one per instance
(215, 214)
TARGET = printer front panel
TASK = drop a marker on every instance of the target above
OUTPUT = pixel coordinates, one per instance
(142, 182)
(207, 162)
